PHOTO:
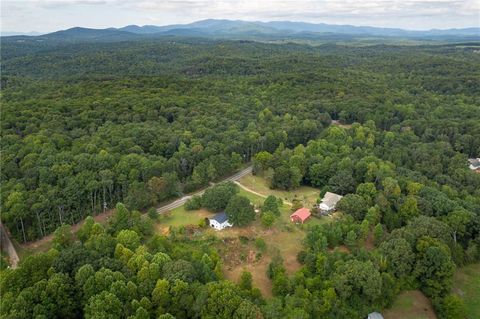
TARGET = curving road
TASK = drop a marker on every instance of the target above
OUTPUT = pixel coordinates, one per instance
(179, 202)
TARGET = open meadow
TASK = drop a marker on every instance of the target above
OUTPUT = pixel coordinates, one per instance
(252, 247)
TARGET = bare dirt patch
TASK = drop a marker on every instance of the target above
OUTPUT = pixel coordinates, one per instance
(370, 241)
(339, 124)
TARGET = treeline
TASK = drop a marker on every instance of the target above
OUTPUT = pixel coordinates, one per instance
(80, 133)
(416, 203)
(120, 271)
(406, 224)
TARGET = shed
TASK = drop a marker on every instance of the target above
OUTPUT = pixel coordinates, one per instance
(375, 315)
(219, 221)
(329, 201)
(300, 215)
(474, 164)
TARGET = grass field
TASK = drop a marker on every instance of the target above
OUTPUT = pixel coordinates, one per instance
(308, 195)
(182, 217)
(466, 284)
(411, 304)
(284, 238)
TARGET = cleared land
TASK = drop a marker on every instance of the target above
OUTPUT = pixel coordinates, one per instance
(411, 304)
(307, 195)
(237, 244)
(467, 285)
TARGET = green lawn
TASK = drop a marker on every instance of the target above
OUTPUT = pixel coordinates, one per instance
(466, 284)
(182, 217)
(410, 305)
(254, 198)
(308, 195)
(284, 237)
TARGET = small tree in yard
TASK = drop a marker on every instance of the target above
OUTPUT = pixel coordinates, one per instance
(268, 219)
(245, 280)
(193, 203)
(271, 205)
(239, 211)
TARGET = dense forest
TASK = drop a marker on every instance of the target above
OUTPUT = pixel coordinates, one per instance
(88, 125)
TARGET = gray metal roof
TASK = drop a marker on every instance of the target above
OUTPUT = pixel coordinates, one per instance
(475, 162)
(331, 199)
(375, 315)
(220, 217)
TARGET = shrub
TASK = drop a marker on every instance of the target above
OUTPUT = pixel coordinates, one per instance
(260, 244)
(268, 219)
(193, 203)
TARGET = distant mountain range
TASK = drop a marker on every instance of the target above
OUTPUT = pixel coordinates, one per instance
(238, 29)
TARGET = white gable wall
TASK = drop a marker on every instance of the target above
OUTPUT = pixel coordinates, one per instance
(216, 225)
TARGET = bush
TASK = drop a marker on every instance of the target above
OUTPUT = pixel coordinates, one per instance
(301, 256)
(260, 244)
(451, 307)
(202, 223)
(193, 203)
(268, 219)
(152, 214)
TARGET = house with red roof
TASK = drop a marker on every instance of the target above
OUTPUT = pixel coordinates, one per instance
(300, 215)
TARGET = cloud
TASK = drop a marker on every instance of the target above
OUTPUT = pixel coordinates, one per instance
(312, 9)
(419, 14)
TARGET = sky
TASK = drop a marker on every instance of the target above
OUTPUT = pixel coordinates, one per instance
(53, 15)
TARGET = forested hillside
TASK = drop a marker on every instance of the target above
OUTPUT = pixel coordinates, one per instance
(140, 122)
(88, 125)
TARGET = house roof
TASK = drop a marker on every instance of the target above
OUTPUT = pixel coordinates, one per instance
(302, 213)
(331, 199)
(475, 162)
(375, 315)
(220, 218)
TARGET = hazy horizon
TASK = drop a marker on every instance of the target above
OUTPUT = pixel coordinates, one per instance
(45, 16)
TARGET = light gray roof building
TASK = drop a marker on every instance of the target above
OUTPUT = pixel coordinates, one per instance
(330, 200)
(375, 315)
(474, 163)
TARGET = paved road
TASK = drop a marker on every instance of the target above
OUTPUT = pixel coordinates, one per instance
(179, 202)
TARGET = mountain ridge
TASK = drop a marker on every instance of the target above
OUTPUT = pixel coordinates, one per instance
(223, 28)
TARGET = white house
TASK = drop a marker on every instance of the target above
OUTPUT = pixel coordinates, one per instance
(329, 201)
(219, 221)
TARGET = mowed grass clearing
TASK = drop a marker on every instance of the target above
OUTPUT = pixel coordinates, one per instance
(307, 195)
(284, 238)
(466, 284)
(412, 304)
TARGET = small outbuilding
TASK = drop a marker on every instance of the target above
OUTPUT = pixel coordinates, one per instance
(300, 215)
(219, 221)
(329, 202)
(375, 315)
(474, 164)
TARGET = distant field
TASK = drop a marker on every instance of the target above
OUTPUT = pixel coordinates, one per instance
(308, 195)
(411, 304)
(466, 284)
